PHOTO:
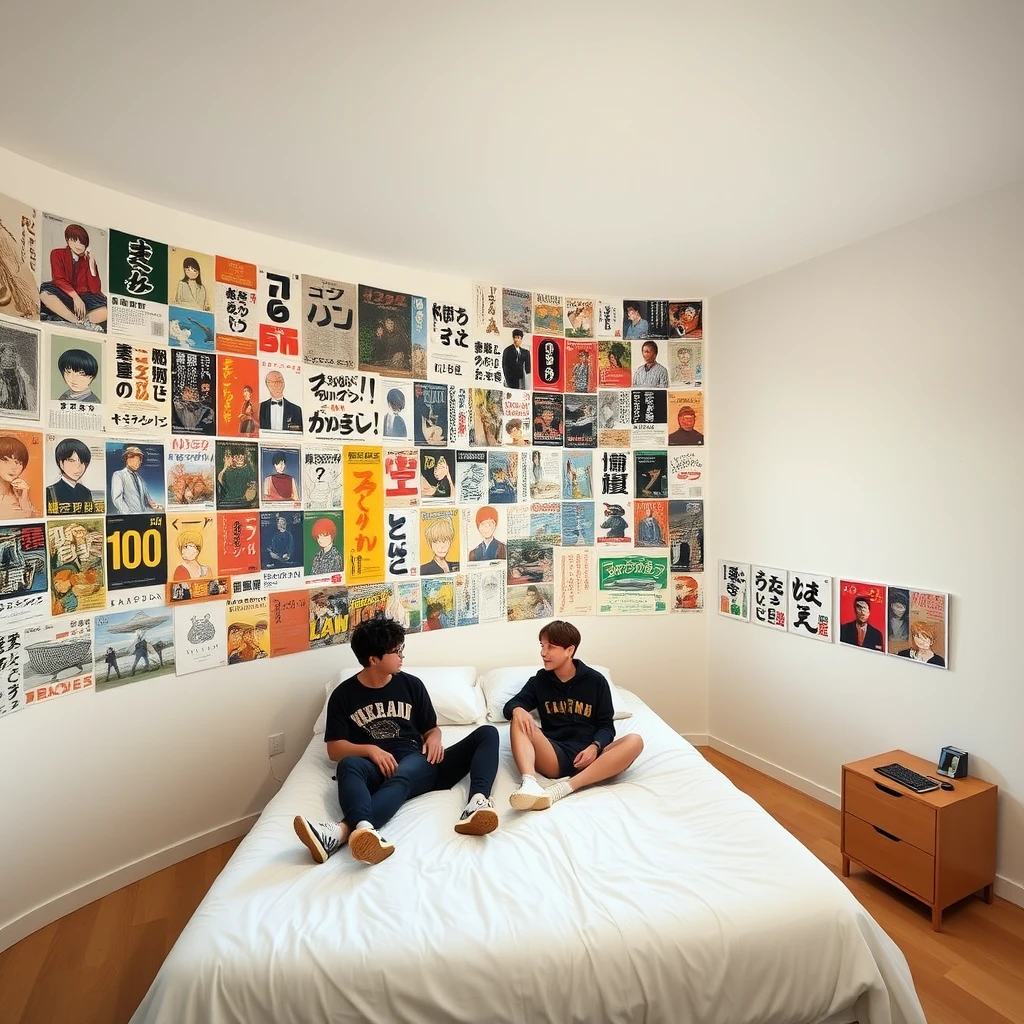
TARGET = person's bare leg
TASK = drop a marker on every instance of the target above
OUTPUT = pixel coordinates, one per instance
(532, 753)
(615, 758)
(54, 305)
(98, 315)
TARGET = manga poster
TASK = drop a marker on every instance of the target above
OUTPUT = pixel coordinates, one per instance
(439, 541)
(20, 362)
(328, 617)
(634, 584)
(77, 469)
(341, 405)
(24, 589)
(138, 389)
(506, 477)
(862, 609)
(237, 475)
(238, 543)
(548, 420)
(467, 599)
(733, 583)
(406, 607)
(530, 560)
(132, 645)
(438, 604)
(57, 659)
(810, 606)
(613, 364)
(135, 477)
(19, 259)
(281, 550)
(652, 530)
(581, 421)
(491, 595)
(321, 477)
(685, 473)
(278, 303)
(396, 397)
(578, 524)
(485, 535)
(431, 413)
(401, 477)
(686, 535)
(73, 267)
(685, 364)
(190, 279)
(575, 588)
(401, 525)
(548, 364)
(76, 385)
(686, 592)
(280, 476)
(385, 331)
(209, 588)
(517, 310)
(516, 409)
(236, 314)
(545, 474)
(77, 579)
(769, 601)
(608, 318)
(579, 322)
(685, 418)
(21, 474)
(470, 477)
(616, 525)
(686, 319)
(330, 328)
(437, 475)
(486, 405)
(449, 349)
(581, 367)
(281, 392)
(420, 334)
(288, 612)
(651, 474)
(917, 626)
(613, 473)
(363, 489)
(547, 313)
(137, 557)
(323, 540)
(193, 392)
(202, 637)
(530, 601)
(577, 476)
(12, 653)
(237, 409)
(368, 601)
(649, 416)
(248, 626)
(192, 547)
(614, 416)
(138, 287)
(487, 312)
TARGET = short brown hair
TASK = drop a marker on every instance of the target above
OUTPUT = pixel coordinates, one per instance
(924, 629)
(561, 634)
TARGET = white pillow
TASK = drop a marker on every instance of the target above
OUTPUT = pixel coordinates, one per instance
(500, 685)
(453, 691)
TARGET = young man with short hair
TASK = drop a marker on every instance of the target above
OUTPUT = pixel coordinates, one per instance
(382, 731)
(576, 734)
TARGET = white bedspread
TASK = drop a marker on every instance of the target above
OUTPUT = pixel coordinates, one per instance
(667, 896)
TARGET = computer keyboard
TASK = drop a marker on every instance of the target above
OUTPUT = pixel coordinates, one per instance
(906, 777)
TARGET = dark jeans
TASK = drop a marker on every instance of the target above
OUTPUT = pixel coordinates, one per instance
(366, 795)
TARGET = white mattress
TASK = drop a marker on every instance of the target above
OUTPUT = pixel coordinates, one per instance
(666, 896)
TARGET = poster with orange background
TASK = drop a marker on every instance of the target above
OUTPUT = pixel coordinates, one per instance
(238, 409)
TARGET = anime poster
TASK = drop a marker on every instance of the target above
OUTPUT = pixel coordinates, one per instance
(368, 601)
(548, 364)
(491, 596)
(73, 263)
(578, 524)
(77, 580)
(545, 474)
(202, 638)
(236, 313)
(431, 413)
(449, 350)
(321, 477)
(238, 543)
(651, 517)
(138, 287)
(401, 477)
(288, 612)
(685, 364)
(340, 405)
(193, 392)
(137, 560)
(76, 471)
(613, 473)
(581, 363)
(21, 474)
(330, 328)
(614, 413)
(323, 540)
(278, 311)
(769, 601)
(385, 331)
(575, 584)
(19, 259)
(608, 319)
(402, 530)
(613, 364)
(577, 476)
(237, 475)
(530, 560)
(579, 322)
(57, 659)
(396, 400)
(547, 313)
(486, 405)
(485, 536)
(281, 550)
(138, 389)
(280, 476)
(686, 535)
(363, 489)
(467, 599)
(686, 592)
(919, 618)
(248, 625)
(135, 478)
(437, 475)
(328, 617)
(506, 477)
(24, 591)
(581, 421)
(12, 653)
(470, 477)
(190, 474)
(517, 411)
(281, 391)
(615, 522)
(132, 645)
(190, 280)
(420, 332)
(810, 606)
(733, 582)
(439, 541)
(648, 417)
(635, 584)
(238, 406)
(531, 601)
(76, 385)
(650, 470)
(686, 320)
(548, 420)
(437, 604)
(406, 607)
(897, 620)
(192, 547)
(20, 361)
(685, 473)
(862, 610)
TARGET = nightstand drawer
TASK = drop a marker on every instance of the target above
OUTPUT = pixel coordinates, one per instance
(901, 815)
(897, 860)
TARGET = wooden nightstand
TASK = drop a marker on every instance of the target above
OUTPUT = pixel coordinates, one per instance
(938, 847)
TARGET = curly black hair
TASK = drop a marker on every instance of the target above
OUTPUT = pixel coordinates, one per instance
(376, 637)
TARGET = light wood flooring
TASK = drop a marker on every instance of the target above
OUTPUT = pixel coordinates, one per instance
(95, 965)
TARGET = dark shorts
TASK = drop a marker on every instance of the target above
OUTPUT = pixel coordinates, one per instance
(566, 753)
(91, 300)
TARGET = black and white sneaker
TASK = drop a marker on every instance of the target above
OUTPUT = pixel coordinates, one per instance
(479, 818)
(369, 846)
(321, 838)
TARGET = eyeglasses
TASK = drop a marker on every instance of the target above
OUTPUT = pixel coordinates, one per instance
(400, 651)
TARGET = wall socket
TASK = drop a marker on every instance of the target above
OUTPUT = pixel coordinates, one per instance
(275, 744)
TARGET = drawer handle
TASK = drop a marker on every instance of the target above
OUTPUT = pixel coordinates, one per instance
(888, 835)
(886, 789)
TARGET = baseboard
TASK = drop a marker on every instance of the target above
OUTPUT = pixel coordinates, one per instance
(46, 913)
(698, 739)
(1009, 890)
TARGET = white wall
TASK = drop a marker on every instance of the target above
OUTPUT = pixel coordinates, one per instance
(104, 788)
(907, 350)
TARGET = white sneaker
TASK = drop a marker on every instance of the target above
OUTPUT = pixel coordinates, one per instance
(479, 818)
(369, 846)
(530, 796)
(321, 838)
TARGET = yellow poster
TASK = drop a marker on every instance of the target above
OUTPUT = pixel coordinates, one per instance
(364, 514)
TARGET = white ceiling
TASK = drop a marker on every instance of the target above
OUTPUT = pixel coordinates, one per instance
(657, 148)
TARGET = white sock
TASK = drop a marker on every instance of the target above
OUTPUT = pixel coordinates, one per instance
(558, 790)
(529, 778)
(363, 824)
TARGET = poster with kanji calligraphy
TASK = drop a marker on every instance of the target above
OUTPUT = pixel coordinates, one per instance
(686, 535)
(138, 287)
(323, 540)
(613, 473)
(862, 609)
(77, 577)
(401, 477)
(368, 601)
(634, 584)
(237, 475)
(282, 548)
(138, 389)
(548, 364)
(686, 592)
(608, 319)
(652, 530)
(685, 364)
(130, 646)
(487, 363)
(12, 654)
(137, 559)
(733, 583)
(21, 474)
(321, 477)
(57, 659)
(577, 475)
(579, 322)
(190, 474)
(236, 320)
(580, 421)
(581, 367)
(330, 327)
(341, 405)
(578, 524)
(487, 313)
(686, 418)
(614, 415)
(918, 625)
(363, 489)
(238, 543)
(615, 525)
(281, 476)
(135, 477)
(193, 392)
(769, 590)
(685, 473)
(420, 335)
(328, 617)
(248, 625)
(431, 413)
(385, 331)
(467, 599)
(506, 477)
(20, 360)
(24, 591)
(76, 469)
(202, 637)
(685, 319)
(547, 313)
(650, 470)
(649, 417)
(402, 535)
(76, 385)
(486, 412)
(575, 581)
(458, 416)
(439, 541)
(192, 547)
(438, 604)
(238, 405)
(278, 303)
(288, 611)
(282, 390)
(645, 318)
(548, 420)
(470, 477)
(396, 400)
(73, 267)
(449, 346)
(810, 606)
(485, 536)
(437, 475)
(19, 259)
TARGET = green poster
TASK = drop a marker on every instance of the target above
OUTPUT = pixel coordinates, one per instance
(138, 267)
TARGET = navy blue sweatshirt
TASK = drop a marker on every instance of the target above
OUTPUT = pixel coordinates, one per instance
(578, 712)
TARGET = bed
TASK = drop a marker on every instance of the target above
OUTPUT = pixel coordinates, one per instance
(667, 896)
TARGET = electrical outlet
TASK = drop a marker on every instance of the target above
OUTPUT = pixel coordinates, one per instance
(275, 744)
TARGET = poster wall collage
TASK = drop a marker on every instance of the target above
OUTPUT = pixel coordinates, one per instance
(205, 462)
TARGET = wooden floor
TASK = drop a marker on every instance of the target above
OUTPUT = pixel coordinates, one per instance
(95, 965)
